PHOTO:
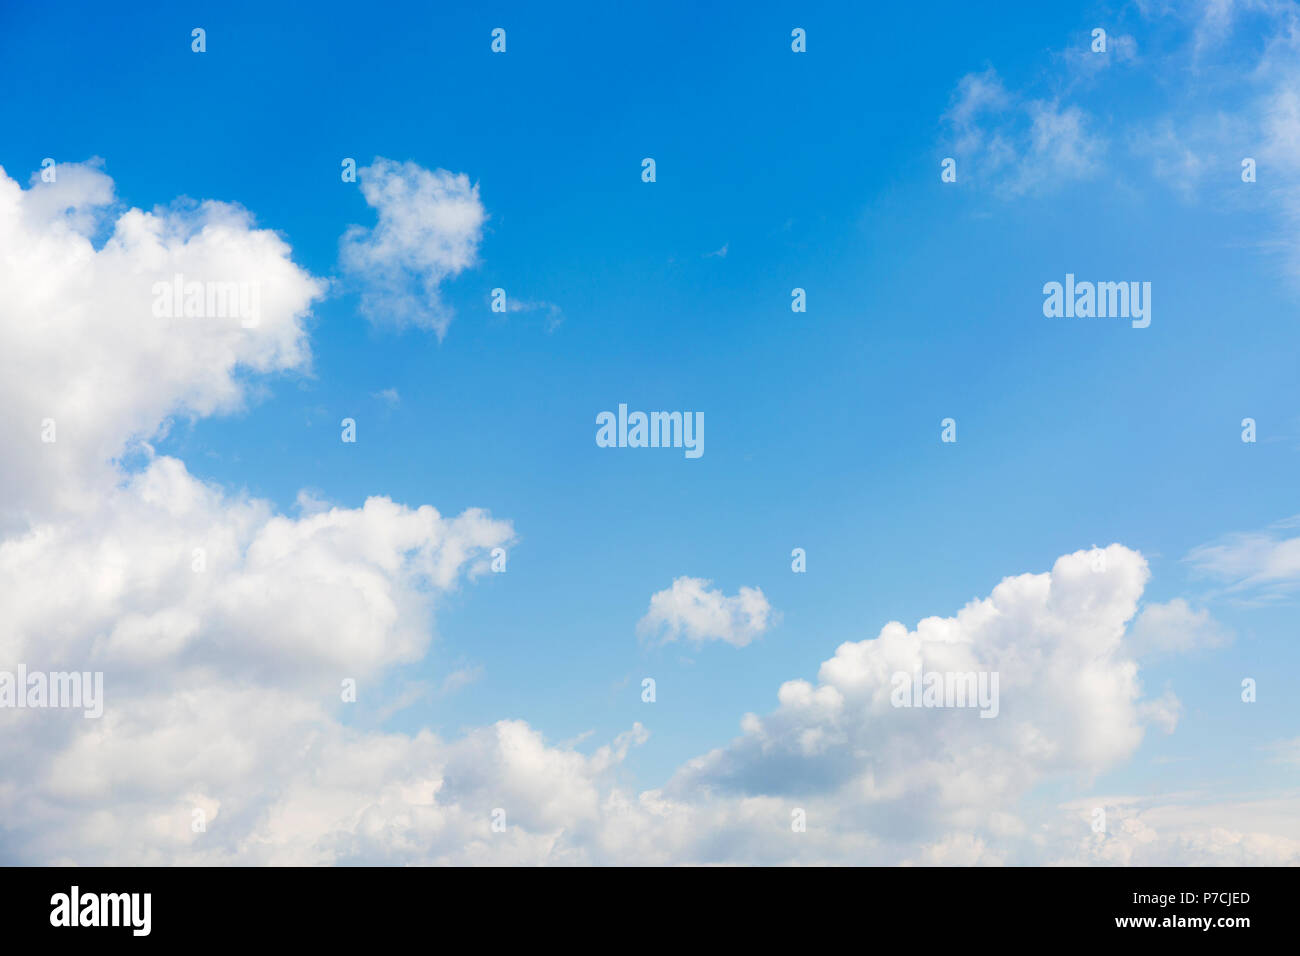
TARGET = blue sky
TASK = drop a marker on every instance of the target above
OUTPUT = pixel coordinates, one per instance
(775, 170)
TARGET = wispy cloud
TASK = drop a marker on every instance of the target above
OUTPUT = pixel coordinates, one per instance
(1016, 144)
(1173, 628)
(388, 396)
(553, 313)
(1257, 566)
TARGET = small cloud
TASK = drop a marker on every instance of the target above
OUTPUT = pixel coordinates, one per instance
(689, 609)
(1163, 711)
(1174, 628)
(461, 678)
(428, 230)
(1084, 62)
(718, 253)
(388, 396)
(554, 315)
(977, 94)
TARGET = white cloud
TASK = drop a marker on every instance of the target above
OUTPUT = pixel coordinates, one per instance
(1062, 147)
(690, 610)
(1069, 699)
(1174, 627)
(222, 676)
(223, 629)
(217, 681)
(1253, 566)
(80, 344)
(977, 95)
(1214, 26)
(461, 677)
(1163, 712)
(1178, 830)
(429, 228)
(1188, 153)
(554, 314)
(1084, 64)
(1019, 145)
(1238, 102)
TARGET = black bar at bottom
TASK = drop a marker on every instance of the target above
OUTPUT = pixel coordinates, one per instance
(641, 907)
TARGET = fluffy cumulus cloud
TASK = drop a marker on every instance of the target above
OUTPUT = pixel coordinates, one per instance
(690, 610)
(224, 631)
(429, 228)
(876, 782)
(1067, 703)
(86, 358)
